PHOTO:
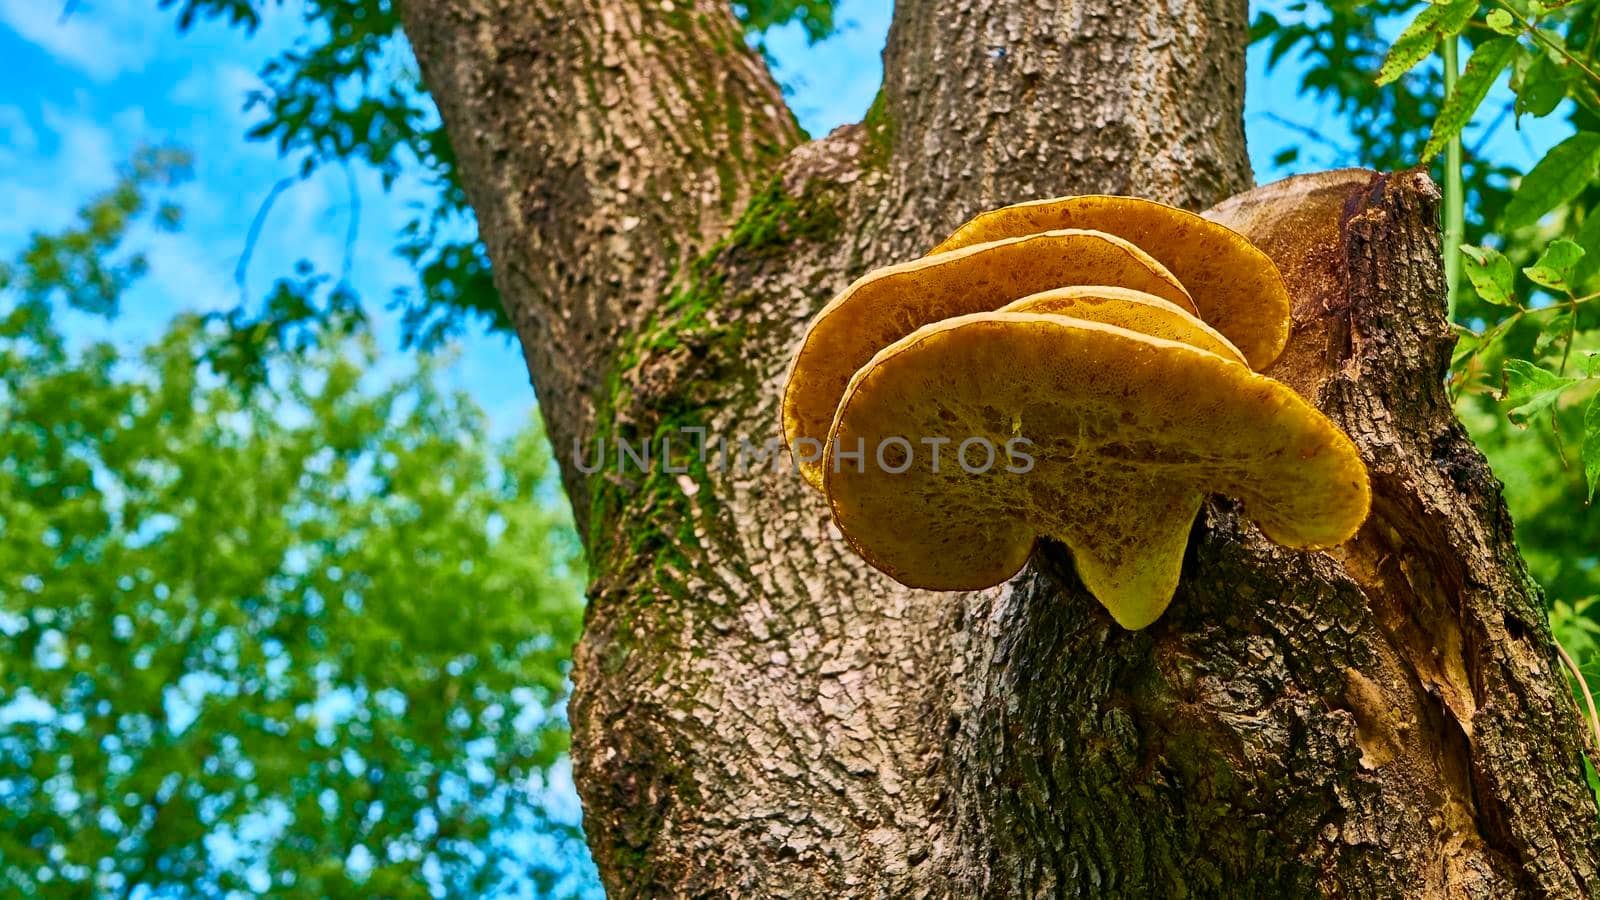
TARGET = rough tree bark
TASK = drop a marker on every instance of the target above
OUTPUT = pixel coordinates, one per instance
(757, 713)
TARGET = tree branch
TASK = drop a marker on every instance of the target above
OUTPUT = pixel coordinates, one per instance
(602, 143)
(1007, 101)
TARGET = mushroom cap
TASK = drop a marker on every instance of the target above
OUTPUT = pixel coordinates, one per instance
(889, 303)
(1235, 285)
(1130, 309)
(1129, 434)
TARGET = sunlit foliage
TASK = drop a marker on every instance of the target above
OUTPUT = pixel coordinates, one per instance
(302, 632)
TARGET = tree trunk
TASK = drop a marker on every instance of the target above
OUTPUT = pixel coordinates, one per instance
(758, 713)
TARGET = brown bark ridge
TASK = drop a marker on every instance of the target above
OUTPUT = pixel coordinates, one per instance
(757, 713)
(603, 144)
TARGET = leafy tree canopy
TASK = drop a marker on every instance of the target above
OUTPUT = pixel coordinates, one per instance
(304, 632)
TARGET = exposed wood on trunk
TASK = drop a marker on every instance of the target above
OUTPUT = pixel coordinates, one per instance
(759, 714)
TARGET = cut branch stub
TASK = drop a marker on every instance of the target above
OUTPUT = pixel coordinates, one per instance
(1300, 224)
(890, 303)
(1384, 716)
(1235, 286)
(1112, 440)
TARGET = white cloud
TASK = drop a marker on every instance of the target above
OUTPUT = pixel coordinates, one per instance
(48, 183)
(87, 154)
(221, 91)
(100, 39)
(16, 134)
(189, 273)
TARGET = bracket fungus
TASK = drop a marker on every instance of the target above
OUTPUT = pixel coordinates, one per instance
(890, 303)
(1127, 433)
(1234, 284)
(1121, 360)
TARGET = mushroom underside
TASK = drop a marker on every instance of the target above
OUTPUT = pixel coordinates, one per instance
(1124, 435)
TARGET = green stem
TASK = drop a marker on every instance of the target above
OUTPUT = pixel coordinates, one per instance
(1454, 214)
(1572, 332)
(1542, 38)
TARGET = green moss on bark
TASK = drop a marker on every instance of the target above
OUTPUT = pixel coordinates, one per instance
(644, 541)
(879, 128)
(681, 366)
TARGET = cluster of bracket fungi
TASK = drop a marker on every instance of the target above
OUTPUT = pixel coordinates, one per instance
(1121, 341)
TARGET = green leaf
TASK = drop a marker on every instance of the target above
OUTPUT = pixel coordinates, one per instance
(1264, 26)
(1501, 21)
(1456, 16)
(1413, 46)
(1554, 269)
(1589, 239)
(1490, 274)
(1531, 389)
(1542, 84)
(1551, 40)
(1553, 334)
(1564, 172)
(380, 551)
(1591, 442)
(1486, 64)
(1420, 37)
(1467, 344)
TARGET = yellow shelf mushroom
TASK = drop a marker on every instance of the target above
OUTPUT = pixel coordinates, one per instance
(889, 303)
(1234, 284)
(1078, 369)
(1126, 434)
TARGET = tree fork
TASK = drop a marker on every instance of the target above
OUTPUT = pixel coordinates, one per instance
(757, 713)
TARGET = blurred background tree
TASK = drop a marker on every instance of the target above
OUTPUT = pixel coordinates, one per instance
(284, 627)
(269, 623)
